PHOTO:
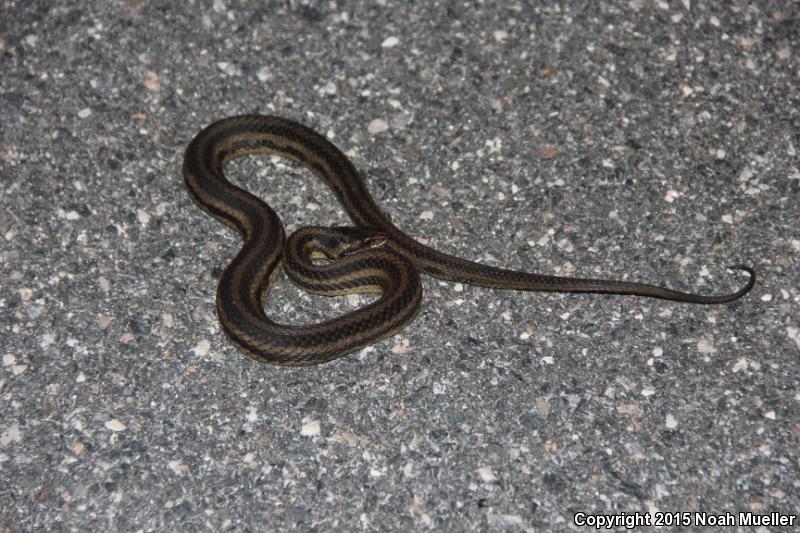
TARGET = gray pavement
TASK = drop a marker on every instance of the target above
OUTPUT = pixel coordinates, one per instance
(646, 140)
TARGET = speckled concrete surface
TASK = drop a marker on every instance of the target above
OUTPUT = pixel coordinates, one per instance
(654, 141)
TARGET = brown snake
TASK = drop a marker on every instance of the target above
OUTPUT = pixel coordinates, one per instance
(372, 256)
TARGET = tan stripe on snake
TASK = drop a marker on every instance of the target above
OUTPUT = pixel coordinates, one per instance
(371, 256)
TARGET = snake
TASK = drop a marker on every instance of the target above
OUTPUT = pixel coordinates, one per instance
(370, 256)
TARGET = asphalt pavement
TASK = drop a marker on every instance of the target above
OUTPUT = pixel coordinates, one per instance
(652, 141)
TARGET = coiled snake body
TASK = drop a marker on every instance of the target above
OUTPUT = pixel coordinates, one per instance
(372, 256)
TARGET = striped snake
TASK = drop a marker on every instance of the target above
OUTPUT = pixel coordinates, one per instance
(373, 256)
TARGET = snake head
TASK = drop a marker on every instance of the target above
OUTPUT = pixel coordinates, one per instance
(340, 241)
(352, 239)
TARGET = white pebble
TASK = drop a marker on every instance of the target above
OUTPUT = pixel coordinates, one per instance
(794, 334)
(104, 284)
(486, 474)
(310, 429)
(390, 42)
(565, 245)
(202, 348)
(177, 467)
(10, 434)
(115, 425)
(378, 126)
(706, 346)
(329, 88)
(263, 74)
(46, 340)
(402, 347)
(229, 68)
(671, 422)
(143, 217)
